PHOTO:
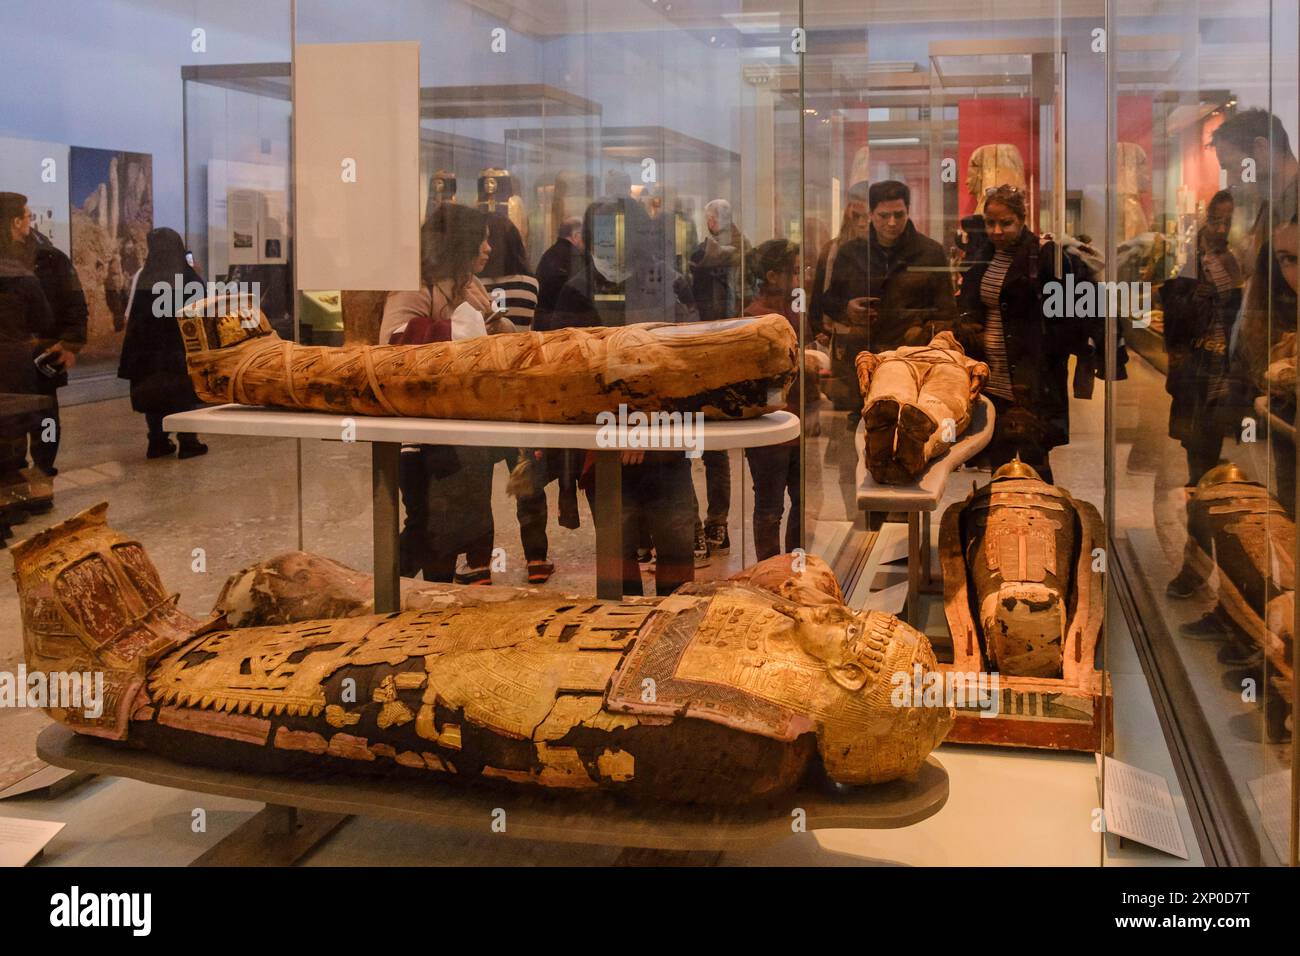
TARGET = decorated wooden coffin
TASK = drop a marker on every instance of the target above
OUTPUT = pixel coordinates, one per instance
(1254, 551)
(734, 368)
(917, 400)
(729, 692)
(1024, 602)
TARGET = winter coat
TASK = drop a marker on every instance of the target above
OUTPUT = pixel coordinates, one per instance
(1198, 328)
(67, 303)
(153, 354)
(556, 267)
(1038, 348)
(25, 324)
(649, 292)
(716, 275)
(913, 282)
(911, 278)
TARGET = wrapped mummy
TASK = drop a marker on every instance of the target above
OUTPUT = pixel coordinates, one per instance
(1019, 589)
(728, 692)
(1254, 550)
(908, 394)
(735, 368)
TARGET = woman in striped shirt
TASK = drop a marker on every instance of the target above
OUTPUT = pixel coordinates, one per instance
(1002, 322)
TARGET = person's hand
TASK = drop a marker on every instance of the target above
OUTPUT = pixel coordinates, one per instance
(823, 338)
(631, 457)
(861, 311)
(66, 358)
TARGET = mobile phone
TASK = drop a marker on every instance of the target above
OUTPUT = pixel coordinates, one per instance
(46, 364)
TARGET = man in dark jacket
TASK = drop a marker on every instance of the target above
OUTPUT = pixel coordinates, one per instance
(56, 345)
(25, 322)
(67, 303)
(556, 266)
(716, 265)
(892, 288)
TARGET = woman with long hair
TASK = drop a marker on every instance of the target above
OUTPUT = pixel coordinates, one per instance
(1002, 321)
(153, 355)
(446, 490)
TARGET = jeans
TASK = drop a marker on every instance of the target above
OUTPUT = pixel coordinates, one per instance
(658, 494)
(775, 470)
(531, 510)
(717, 483)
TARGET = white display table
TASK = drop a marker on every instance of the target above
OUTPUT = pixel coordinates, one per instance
(922, 496)
(386, 435)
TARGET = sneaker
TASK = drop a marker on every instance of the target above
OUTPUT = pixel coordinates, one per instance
(1208, 625)
(1238, 655)
(701, 549)
(645, 556)
(539, 572)
(1184, 585)
(473, 576)
(160, 447)
(718, 540)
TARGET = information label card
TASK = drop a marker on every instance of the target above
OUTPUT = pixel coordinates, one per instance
(1140, 807)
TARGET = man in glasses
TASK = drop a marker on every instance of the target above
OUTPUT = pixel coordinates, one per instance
(889, 288)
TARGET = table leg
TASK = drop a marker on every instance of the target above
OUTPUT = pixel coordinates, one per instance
(609, 525)
(384, 458)
(274, 836)
(914, 557)
(925, 549)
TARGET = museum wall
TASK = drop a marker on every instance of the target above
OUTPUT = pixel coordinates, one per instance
(106, 73)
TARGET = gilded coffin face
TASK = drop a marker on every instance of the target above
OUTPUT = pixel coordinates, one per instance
(783, 670)
(863, 736)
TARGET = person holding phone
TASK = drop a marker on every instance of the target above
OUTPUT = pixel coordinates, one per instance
(57, 347)
(25, 323)
(889, 288)
(1003, 322)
